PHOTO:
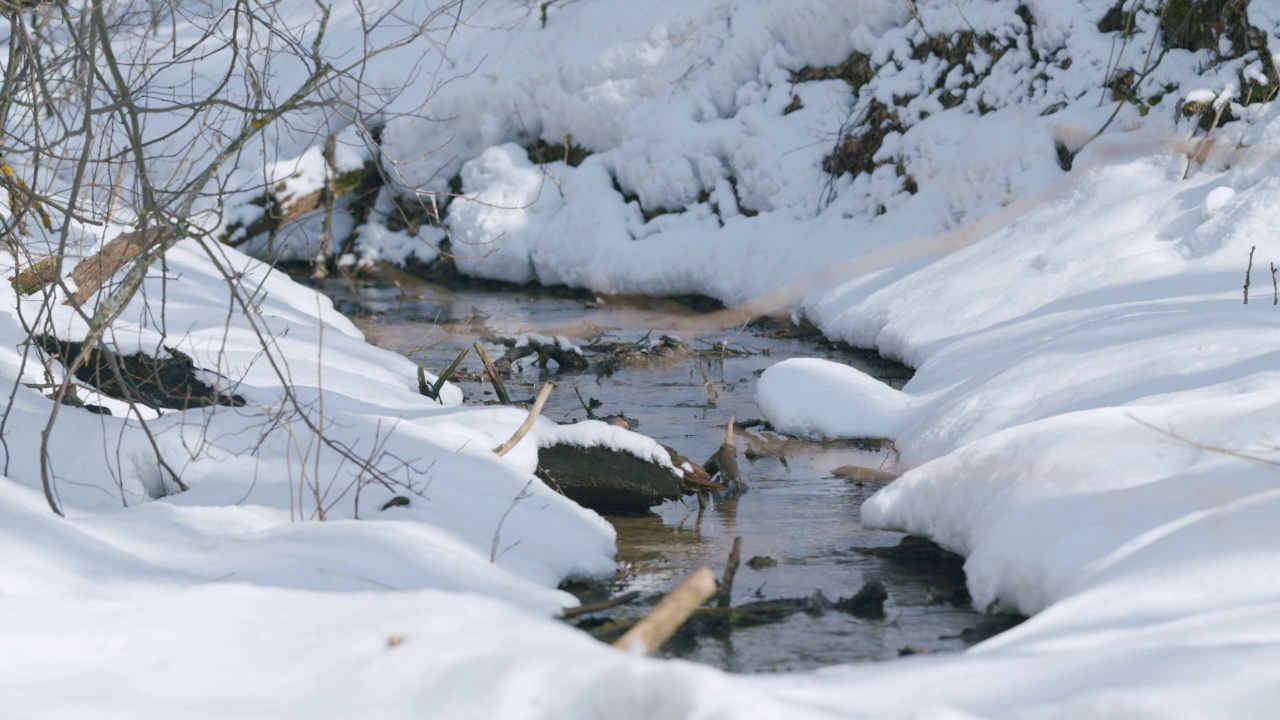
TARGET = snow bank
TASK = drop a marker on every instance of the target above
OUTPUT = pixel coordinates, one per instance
(1090, 421)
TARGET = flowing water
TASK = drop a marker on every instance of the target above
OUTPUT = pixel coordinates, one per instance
(799, 518)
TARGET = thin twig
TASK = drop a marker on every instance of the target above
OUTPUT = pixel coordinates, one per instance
(1230, 452)
(1246, 274)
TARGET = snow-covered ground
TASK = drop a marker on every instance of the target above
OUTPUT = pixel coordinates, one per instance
(1091, 423)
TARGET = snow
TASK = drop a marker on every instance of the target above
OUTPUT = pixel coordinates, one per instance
(1091, 422)
(819, 399)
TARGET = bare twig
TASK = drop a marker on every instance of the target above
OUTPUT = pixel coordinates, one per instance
(1231, 452)
(1247, 270)
(494, 553)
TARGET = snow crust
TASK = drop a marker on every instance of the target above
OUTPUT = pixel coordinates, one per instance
(1091, 422)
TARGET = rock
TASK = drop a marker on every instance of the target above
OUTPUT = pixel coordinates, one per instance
(606, 480)
(916, 549)
(866, 603)
(397, 501)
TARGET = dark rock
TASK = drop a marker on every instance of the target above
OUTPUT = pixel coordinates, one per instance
(397, 501)
(915, 549)
(990, 626)
(606, 480)
(867, 603)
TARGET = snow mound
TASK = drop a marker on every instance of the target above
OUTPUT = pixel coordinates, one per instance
(822, 399)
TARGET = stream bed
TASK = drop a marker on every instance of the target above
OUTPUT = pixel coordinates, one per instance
(799, 522)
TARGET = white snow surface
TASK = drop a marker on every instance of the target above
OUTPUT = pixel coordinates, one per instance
(1091, 423)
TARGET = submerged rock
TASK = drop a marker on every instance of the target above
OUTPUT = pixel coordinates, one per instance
(866, 603)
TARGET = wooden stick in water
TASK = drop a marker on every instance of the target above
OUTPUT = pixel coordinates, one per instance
(730, 570)
(498, 387)
(670, 613)
(448, 372)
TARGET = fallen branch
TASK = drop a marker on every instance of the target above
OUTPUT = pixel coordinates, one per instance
(93, 272)
(669, 614)
(498, 387)
(525, 427)
(730, 570)
(623, 599)
(41, 273)
(448, 373)
(433, 391)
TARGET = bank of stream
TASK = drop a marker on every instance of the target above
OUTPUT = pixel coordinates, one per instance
(799, 521)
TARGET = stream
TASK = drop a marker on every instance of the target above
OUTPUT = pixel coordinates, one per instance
(799, 522)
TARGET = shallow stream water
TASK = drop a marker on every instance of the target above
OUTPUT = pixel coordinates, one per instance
(796, 514)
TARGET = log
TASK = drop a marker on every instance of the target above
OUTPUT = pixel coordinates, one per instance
(649, 634)
(36, 277)
(94, 271)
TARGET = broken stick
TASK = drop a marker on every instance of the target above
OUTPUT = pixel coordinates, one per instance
(448, 373)
(527, 425)
(724, 464)
(433, 391)
(498, 387)
(670, 613)
(730, 570)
